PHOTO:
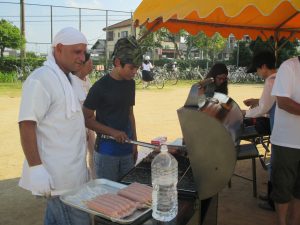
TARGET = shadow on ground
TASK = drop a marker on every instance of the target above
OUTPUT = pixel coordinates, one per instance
(236, 204)
(19, 207)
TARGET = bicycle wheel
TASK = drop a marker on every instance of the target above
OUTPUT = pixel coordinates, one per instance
(173, 77)
(138, 77)
(159, 82)
(20, 75)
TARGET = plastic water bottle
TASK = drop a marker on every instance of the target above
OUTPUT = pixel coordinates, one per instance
(164, 172)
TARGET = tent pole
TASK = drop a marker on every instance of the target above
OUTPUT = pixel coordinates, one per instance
(263, 33)
(286, 41)
(276, 36)
(276, 39)
(287, 20)
(158, 21)
(278, 48)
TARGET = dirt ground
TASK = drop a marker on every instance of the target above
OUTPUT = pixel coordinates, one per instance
(155, 113)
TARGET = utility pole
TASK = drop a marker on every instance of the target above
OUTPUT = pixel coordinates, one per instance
(22, 25)
(79, 19)
(133, 30)
(51, 23)
(106, 44)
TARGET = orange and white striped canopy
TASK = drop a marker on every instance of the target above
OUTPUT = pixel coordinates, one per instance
(265, 18)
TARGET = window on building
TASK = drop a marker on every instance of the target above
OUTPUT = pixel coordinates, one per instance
(110, 35)
(124, 34)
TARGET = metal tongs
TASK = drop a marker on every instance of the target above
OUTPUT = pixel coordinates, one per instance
(140, 143)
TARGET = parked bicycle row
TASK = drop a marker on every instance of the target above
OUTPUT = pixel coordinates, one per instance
(166, 74)
(162, 75)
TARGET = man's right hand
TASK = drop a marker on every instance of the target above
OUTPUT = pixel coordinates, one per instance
(120, 136)
(40, 180)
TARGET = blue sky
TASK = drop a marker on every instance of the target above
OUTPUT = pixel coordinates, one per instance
(123, 5)
(38, 28)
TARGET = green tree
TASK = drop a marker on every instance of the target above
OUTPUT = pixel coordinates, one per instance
(151, 41)
(244, 57)
(215, 45)
(31, 55)
(211, 46)
(10, 36)
(154, 39)
(166, 35)
(192, 42)
(260, 45)
(288, 50)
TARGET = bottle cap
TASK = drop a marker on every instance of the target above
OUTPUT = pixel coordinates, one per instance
(163, 148)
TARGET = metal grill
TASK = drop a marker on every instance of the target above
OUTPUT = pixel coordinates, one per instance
(142, 174)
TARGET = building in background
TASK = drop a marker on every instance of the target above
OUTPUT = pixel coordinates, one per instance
(11, 52)
(98, 49)
(125, 28)
(117, 31)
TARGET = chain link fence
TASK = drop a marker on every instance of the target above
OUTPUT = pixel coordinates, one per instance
(42, 22)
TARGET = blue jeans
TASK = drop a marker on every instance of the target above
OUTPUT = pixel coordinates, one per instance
(112, 167)
(58, 213)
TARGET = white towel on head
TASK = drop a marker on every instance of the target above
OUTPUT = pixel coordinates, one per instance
(72, 102)
(66, 36)
(69, 36)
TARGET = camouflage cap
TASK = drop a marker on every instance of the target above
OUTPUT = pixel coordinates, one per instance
(128, 51)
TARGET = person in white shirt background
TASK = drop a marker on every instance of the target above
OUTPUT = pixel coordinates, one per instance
(285, 174)
(81, 86)
(52, 130)
(147, 67)
(263, 63)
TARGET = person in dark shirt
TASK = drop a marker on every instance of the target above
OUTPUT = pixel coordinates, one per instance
(112, 98)
(219, 73)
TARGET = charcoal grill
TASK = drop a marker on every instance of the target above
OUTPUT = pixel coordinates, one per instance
(205, 169)
(210, 137)
(142, 174)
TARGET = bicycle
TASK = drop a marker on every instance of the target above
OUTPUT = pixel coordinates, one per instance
(173, 76)
(158, 80)
(97, 74)
(138, 77)
(169, 72)
(22, 74)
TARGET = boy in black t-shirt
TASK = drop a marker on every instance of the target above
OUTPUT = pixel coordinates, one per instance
(113, 98)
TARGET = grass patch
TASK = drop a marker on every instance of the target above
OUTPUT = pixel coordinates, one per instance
(8, 77)
(167, 86)
(15, 89)
(11, 89)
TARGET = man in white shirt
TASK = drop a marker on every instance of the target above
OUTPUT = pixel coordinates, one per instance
(52, 129)
(285, 175)
(264, 64)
